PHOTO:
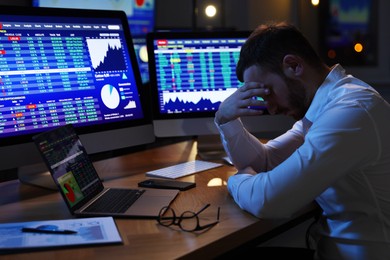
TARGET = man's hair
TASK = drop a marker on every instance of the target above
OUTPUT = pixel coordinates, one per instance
(269, 43)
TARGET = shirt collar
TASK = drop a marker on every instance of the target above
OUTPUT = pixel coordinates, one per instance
(319, 101)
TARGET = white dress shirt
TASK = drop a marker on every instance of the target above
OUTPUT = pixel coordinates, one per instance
(342, 162)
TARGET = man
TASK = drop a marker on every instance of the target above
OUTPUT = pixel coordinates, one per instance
(337, 153)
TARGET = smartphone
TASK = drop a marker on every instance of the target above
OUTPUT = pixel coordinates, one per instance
(166, 184)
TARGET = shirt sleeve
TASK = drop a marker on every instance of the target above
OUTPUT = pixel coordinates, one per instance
(246, 150)
(321, 160)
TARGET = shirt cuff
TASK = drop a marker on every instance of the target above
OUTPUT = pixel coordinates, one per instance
(230, 128)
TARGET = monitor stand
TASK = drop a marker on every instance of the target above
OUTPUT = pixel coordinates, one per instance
(36, 175)
(210, 147)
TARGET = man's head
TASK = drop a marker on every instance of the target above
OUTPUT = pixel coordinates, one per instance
(269, 44)
(281, 58)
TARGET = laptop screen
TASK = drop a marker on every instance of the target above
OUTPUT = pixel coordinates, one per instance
(69, 164)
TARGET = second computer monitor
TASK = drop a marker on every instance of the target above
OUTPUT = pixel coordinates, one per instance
(191, 73)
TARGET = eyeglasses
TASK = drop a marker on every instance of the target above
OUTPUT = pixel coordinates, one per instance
(187, 221)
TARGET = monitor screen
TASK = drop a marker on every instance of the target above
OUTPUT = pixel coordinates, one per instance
(60, 66)
(348, 32)
(140, 14)
(191, 73)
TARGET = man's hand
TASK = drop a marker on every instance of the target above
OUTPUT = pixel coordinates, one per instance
(240, 102)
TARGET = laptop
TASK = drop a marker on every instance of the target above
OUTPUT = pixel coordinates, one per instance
(80, 186)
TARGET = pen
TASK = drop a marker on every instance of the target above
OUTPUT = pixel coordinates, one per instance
(47, 231)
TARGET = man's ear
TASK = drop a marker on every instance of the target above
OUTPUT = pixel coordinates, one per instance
(292, 66)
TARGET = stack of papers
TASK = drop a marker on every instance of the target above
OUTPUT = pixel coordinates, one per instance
(80, 231)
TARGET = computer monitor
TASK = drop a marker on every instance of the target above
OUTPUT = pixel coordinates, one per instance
(191, 73)
(61, 66)
(140, 14)
(142, 57)
(348, 32)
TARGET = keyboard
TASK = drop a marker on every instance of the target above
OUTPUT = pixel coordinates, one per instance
(182, 169)
(115, 201)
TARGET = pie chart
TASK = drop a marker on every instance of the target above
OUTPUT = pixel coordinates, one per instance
(110, 96)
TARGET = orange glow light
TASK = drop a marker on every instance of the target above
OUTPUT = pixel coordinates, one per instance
(358, 47)
(331, 54)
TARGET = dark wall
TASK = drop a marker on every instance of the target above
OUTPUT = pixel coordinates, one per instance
(16, 2)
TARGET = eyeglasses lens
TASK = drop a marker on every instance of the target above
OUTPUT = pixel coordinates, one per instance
(167, 218)
(188, 221)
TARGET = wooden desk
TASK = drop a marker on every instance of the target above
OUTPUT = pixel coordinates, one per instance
(145, 239)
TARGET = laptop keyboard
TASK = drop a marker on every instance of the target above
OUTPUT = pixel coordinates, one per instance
(115, 201)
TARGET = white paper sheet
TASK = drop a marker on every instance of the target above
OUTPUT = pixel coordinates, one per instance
(100, 230)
